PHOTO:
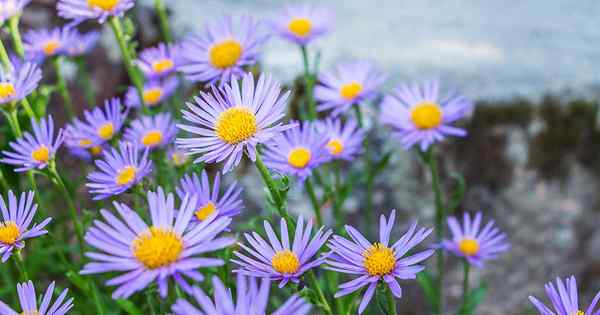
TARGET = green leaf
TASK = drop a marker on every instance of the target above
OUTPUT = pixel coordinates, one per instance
(78, 281)
(425, 280)
(458, 193)
(129, 307)
(474, 298)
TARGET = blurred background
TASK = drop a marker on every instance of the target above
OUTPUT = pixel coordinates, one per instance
(532, 158)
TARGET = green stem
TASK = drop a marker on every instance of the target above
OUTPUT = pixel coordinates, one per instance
(359, 116)
(313, 200)
(21, 266)
(466, 269)
(270, 183)
(3, 180)
(7, 278)
(96, 297)
(4, 57)
(315, 283)
(309, 82)
(86, 81)
(28, 110)
(61, 84)
(163, 19)
(150, 301)
(391, 301)
(16, 35)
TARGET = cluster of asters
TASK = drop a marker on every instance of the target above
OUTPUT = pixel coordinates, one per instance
(234, 117)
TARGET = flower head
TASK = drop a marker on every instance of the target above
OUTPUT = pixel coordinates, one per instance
(564, 299)
(229, 121)
(29, 305)
(373, 262)
(209, 199)
(476, 245)
(159, 61)
(166, 248)
(118, 171)
(152, 132)
(79, 143)
(10, 8)
(44, 43)
(155, 92)
(279, 259)
(251, 299)
(177, 157)
(302, 24)
(344, 141)
(346, 85)
(297, 152)
(18, 82)
(418, 115)
(220, 53)
(17, 215)
(82, 43)
(34, 151)
(80, 10)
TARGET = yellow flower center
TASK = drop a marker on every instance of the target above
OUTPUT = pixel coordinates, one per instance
(41, 154)
(152, 96)
(205, 211)
(178, 158)
(379, 260)
(9, 232)
(468, 246)
(34, 312)
(285, 261)
(96, 150)
(577, 313)
(105, 5)
(106, 131)
(299, 157)
(236, 124)
(335, 146)
(300, 27)
(152, 138)
(426, 115)
(157, 247)
(126, 175)
(7, 89)
(50, 47)
(225, 54)
(84, 142)
(350, 90)
(163, 65)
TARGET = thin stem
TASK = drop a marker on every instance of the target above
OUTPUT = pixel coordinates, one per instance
(391, 301)
(466, 269)
(3, 180)
(359, 116)
(163, 19)
(61, 84)
(4, 57)
(28, 110)
(309, 82)
(86, 81)
(317, 287)
(20, 263)
(96, 297)
(16, 35)
(313, 200)
(150, 301)
(268, 180)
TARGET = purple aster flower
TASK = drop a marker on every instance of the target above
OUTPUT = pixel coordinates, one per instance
(159, 61)
(14, 226)
(155, 92)
(298, 151)
(10, 8)
(80, 10)
(277, 260)
(229, 121)
(346, 85)
(209, 200)
(34, 151)
(251, 299)
(418, 115)
(40, 44)
(100, 126)
(29, 305)
(344, 141)
(373, 262)
(167, 248)
(82, 43)
(152, 132)
(18, 82)
(177, 157)
(118, 171)
(476, 245)
(221, 52)
(302, 24)
(564, 299)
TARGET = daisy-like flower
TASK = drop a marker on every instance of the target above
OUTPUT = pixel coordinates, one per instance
(373, 262)
(80, 143)
(155, 92)
(34, 151)
(229, 121)
(346, 85)
(476, 245)
(564, 299)
(176, 156)
(302, 24)
(167, 248)
(118, 170)
(278, 260)
(251, 299)
(10, 8)
(209, 200)
(220, 53)
(82, 43)
(17, 215)
(298, 151)
(152, 132)
(29, 305)
(159, 61)
(80, 10)
(18, 82)
(418, 115)
(344, 141)
(44, 43)
(101, 124)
